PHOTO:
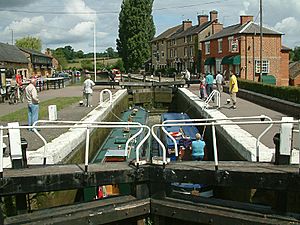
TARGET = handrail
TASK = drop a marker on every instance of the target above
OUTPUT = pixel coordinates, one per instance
(210, 97)
(82, 123)
(219, 123)
(260, 136)
(1, 152)
(101, 96)
(216, 119)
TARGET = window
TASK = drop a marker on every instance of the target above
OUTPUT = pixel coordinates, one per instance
(190, 38)
(191, 51)
(171, 53)
(173, 42)
(175, 53)
(184, 39)
(265, 66)
(162, 54)
(219, 66)
(185, 51)
(233, 44)
(207, 48)
(220, 45)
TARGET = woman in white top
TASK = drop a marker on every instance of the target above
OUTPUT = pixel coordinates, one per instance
(88, 90)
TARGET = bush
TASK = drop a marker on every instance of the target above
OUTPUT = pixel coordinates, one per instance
(288, 93)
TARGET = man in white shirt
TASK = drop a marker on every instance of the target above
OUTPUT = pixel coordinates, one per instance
(33, 102)
(219, 81)
(88, 90)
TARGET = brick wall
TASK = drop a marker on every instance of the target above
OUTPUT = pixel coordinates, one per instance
(249, 49)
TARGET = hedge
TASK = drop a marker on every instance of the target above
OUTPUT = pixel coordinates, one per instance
(288, 93)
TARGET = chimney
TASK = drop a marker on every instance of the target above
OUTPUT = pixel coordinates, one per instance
(213, 15)
(245, 19)
(202, 19)
(216, 27)
(186, 24)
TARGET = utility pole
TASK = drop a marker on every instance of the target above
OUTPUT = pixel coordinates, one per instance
(95, 61)
(261, 40)
(12, 36)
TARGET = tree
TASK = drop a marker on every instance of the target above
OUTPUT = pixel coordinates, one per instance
(60, 56)
(111, 52)
(30, 43)
(295, 54)
(136, 30)
(87, 65)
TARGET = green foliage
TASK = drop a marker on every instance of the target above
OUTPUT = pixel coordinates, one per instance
(30, 43)
(111, 53)
(87, 65)
(295, 54)
(119, 65)
(288, 93)
(60, 56)
(136, 30)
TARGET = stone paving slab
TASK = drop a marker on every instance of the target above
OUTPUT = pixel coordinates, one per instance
(246, 108)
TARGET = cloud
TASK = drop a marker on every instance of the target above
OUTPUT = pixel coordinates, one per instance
(15, 3)
(57, 30)
(26, 25)
(75, 6)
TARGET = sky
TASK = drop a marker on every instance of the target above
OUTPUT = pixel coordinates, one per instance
(71, 22)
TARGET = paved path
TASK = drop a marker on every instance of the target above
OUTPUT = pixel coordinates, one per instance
(72, 112)
(246, 108)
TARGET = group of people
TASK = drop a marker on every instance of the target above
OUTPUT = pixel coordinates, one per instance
(207, 86)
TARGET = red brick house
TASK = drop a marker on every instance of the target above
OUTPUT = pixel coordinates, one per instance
(237, 48)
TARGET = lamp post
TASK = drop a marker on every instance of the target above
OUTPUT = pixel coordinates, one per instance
(261, 44)
(95, 57)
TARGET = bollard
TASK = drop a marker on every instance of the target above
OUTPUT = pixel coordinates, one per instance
(24, 145)
(174, 75)
(159, 76)
(279, 159)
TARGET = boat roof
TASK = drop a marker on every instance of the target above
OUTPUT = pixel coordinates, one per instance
(189, 131)
(114, 145)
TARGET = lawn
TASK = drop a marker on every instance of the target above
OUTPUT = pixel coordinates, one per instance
(103, 61)
(21, 115)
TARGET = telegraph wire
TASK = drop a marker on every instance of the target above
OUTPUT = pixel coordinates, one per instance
(105, 12)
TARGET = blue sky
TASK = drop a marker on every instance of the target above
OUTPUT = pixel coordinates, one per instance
(43, 18)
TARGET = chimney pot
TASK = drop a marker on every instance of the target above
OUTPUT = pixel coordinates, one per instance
(245, 19)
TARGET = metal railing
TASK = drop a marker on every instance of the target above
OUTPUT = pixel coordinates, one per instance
(215, 122)
(261, 117)
(101, 96)
(210, 98)
(179, 123)
(80, 125)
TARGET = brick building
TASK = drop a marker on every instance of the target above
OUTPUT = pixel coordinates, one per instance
(11, 58)
(180, 47)
(39, 63)
(159, 48)
(237, 48)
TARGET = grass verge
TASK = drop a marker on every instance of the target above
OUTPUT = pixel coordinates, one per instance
(21, 115)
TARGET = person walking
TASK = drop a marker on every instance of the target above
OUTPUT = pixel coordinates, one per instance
(233, 89)
(88, 90)
(33, 102)
(219, 81)
(209, 80)
(198, 148)
(187, 76)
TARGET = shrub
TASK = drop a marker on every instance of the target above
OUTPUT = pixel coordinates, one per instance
(288, 93)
